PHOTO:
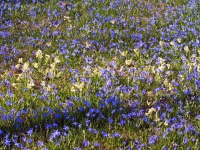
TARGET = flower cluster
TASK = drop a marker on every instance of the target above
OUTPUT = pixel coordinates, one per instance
(99, 74)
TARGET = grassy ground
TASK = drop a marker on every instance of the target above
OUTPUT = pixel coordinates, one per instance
(84, 74)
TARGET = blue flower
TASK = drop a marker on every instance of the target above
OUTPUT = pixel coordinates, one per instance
(40, 143)
(30, 132)
(1, 132)
(185, 140)
(152, 139)
(66, 128)
(86, 143)
(198, 117)
(96, 144)
(55, 134)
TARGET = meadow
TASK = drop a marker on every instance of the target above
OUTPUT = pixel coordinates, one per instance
(100, 74)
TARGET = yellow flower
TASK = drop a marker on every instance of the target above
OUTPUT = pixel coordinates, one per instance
(35, 65)
(25, 66)
(136, 51)
(39, 54)
(56, 59)
(47, 57)
(47, 88)
(172, 43)
(67, 18)
(59, 74)
(124, 53)
(20, 60)
(43, 83)
(87, 44)
(166, 124)
(14, 85)
(186, 48)
(73, 89)
(179, 40)
(161, 43)
(128, 62)
(17, 66)
(48, 44)
(53, 66)
(161, 68)
(30, 84)
(20, 76)
(80, 86)
(151, 110)
(112, 21)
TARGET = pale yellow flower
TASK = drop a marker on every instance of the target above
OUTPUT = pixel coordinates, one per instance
(80, 86)
(161, 43)
(25, 66)
(172, 43)
(20, 76)
(124, 53)
(42, 83)
(179, 40)
(20, 60)
(53, 66)
(48, 44)
(157, 117)
(35, 65)
(168, 66)
(59, 74)
(136, 51)
(87, 44)
(161, 68)
(186, 48)
(17, 66)
(166, 124)
(128, 62)
(39, 54)
(47, 57)
(150, 111)
(56, 60)
(14, 85)
(112, 21)
(67, 18)
(73, 89)
(30, 84)
(168, 73)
